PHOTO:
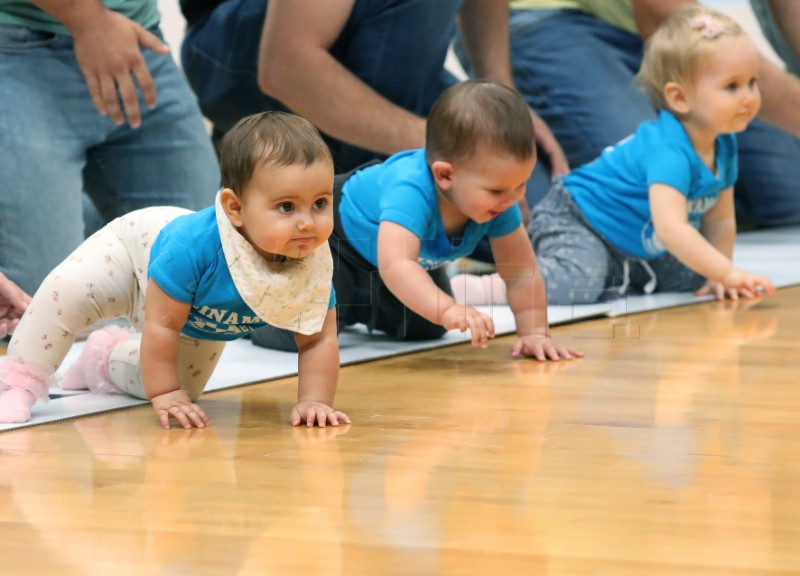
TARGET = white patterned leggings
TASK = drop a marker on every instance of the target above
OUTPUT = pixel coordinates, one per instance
(104, 279)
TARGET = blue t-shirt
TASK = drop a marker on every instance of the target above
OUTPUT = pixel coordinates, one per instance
(401, 190)
(188, 263)
(613, 190)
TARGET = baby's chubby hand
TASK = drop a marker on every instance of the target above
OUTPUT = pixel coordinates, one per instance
(176, 404)
(311, 412)
(738, 283)
(543, 348)
(463, 318)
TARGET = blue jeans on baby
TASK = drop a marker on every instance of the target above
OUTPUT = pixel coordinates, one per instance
(55, 145)
(397, 47)
(577, 72)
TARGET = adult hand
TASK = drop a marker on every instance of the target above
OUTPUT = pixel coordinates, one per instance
(13, 303)
(108, 50)
(549, 145)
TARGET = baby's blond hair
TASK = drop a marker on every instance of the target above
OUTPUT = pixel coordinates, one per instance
(677, 50)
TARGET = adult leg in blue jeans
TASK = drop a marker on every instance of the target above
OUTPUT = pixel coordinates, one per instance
(766, 193)
(55, 145)
(396, 47)
(577, 72)
(773, 32)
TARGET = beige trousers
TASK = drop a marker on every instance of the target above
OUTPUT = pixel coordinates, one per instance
(104, 279)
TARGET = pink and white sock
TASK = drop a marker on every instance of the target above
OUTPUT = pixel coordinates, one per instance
(474, 290)
(90, 370)
(21, 385)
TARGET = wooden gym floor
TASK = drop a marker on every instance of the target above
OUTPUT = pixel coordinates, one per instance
(673, 448)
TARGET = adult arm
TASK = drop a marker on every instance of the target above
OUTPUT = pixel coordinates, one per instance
(650, 14)
(163, 319)
(108, 48)
(484, 28)
(318, 376)
(780, 97)
(296, 67)
(780, 90)
(786, 14)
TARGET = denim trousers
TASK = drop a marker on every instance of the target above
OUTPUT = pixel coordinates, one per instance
(396, 47)
(55, 145)
(774, 35)
(577, 72)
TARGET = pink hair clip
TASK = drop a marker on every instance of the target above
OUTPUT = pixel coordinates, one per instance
(708, 25)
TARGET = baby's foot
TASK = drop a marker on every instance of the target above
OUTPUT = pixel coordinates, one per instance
(22, 385)
(90, 370)
(15, 405)
(474, 290)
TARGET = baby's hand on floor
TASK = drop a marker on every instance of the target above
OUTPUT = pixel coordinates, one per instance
(176, 404)
(738, 284)
(748, 285)
(463, 318)
(720, 292)
(543, 348)
(312, 412)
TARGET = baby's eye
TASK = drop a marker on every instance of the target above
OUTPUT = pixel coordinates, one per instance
(732, 87)
(753, 82)
(495, 192)
(286, 208)
(321, 204)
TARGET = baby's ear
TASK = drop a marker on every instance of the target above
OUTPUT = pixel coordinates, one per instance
(442, 173)
(232, 205)
(675, 96)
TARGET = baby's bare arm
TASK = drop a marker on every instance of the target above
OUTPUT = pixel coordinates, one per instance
(318, 377)
(516, 264)
(164, 318)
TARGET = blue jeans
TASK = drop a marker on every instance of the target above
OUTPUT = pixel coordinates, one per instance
(577, 72)
(397, 47)
(771, 31)
(55, 145)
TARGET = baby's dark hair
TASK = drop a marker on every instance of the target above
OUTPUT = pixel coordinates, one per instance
(479, 114)
(274, 138)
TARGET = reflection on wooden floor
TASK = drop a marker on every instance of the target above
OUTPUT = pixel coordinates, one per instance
(673, 448)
